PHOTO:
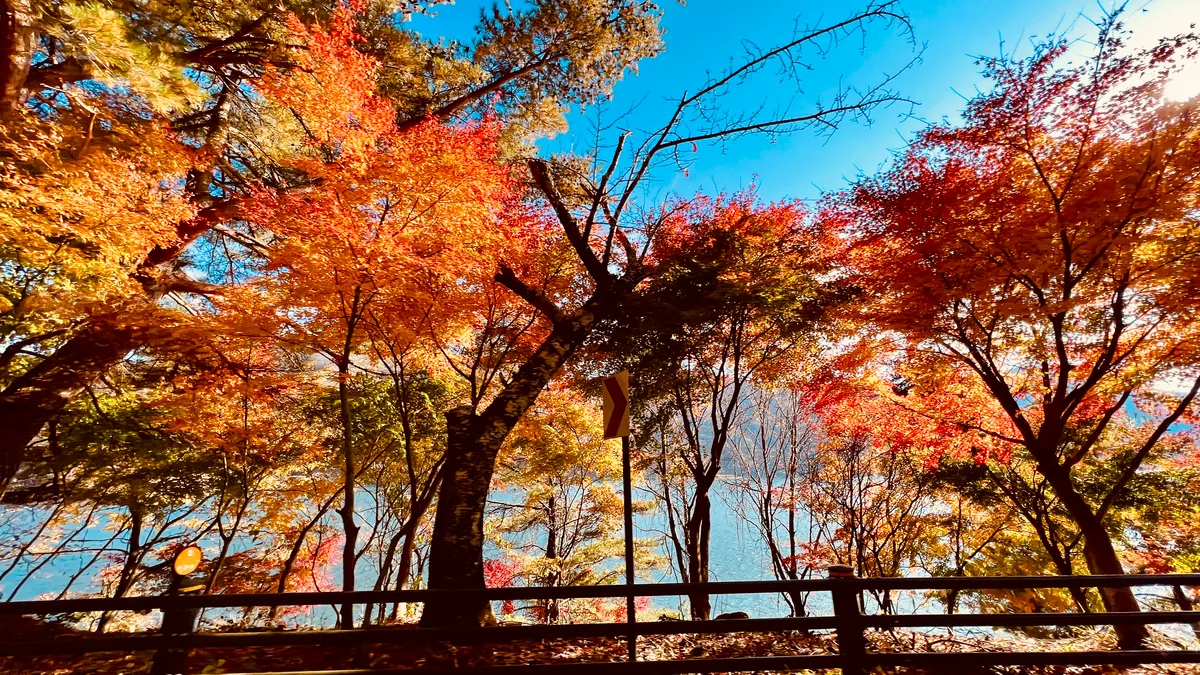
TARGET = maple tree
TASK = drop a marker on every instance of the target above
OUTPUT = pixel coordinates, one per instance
(164, 89)
(391, 212)
(1033, 263)
(614, 250)
(742, 309)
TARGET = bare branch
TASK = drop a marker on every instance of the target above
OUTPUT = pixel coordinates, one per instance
(540, 171)
(508, 278)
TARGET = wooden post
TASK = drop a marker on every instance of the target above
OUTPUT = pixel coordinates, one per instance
(630, 605)
(847, 612)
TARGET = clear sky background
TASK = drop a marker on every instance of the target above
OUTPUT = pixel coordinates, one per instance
(948, 35)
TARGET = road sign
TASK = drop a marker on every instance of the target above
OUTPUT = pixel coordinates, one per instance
(187, 560)
(616, 405)
(616, 425)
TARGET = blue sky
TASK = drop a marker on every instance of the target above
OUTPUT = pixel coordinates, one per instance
(707, 33)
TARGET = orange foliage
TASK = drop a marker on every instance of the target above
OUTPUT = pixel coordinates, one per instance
(1025, 271)
(331, 91)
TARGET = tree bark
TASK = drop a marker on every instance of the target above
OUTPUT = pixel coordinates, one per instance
(473, 441)
(1098, 552)
(406, 556)
(385, 572)
(133, 557)
(550, 606)
(1186, 605)
(456, 553)
(696, 532)
(350, 529)
(226, 543)
(16, 50)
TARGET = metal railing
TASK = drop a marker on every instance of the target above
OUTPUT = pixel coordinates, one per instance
(848, 621)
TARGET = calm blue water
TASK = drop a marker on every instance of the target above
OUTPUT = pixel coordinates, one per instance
(737, 555)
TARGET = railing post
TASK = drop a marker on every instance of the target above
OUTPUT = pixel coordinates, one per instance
(847, 612)
(630, 576)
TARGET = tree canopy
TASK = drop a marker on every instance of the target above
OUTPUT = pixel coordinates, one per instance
(294, 283)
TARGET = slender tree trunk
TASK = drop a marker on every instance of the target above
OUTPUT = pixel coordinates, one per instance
(350, 529)
(385, 573)
(406, 556)
(226, 543)
(550, 609)
(473, 441)
(129, 568)
(407, 552)
(1099, 553)
(696, 533)
(797, 598)
(405, 567)
(1186, 605)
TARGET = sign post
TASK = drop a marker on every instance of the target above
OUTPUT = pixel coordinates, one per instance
(178, 620)
(616, 425)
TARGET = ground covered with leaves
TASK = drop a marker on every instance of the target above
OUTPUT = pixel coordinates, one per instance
(651, 648)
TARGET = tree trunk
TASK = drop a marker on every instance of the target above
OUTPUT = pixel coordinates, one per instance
(16, 50)
(456, 553)
(696, 533)
(385, 572)
(1186, 605)
(129, 569)
(406, 556)
(456, 549)
(226, 543)
(40, 394)
(407, 552)
(1099, 553)
(405, 568)
(550, 608)
(348, 526)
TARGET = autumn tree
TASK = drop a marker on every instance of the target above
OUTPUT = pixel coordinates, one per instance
(1034, 264)
(613, 244)
(775, 453)
(390, 207)
(165, 99)
(739, 305)
(560, 509)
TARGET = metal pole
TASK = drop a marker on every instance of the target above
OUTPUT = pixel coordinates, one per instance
(630, 609)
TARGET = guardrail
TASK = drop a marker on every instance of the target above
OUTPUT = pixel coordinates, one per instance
(848, 621)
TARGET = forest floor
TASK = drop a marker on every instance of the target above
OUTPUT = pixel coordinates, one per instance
(668, 647)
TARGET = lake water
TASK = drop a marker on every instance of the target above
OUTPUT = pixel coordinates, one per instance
(737, 554)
